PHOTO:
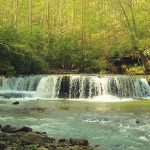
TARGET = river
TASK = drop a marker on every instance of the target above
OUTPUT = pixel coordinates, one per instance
(112, 121)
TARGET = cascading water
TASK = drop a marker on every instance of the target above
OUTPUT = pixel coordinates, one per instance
(48, 87)
(74, 87)
(19, 86)
(27, 83)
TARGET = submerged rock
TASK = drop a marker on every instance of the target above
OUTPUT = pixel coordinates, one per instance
(16, 103)
(137, 121)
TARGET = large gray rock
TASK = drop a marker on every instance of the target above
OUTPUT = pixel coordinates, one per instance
(34, 138)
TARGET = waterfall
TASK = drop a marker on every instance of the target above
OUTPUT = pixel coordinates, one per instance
(119, 86)
(75, 87)
(26, 83)
(48, 87)
(23, 86)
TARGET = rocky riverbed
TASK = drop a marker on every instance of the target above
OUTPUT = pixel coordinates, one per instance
(24, 138)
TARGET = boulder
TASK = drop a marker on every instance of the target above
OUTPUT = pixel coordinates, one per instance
(34, 138)
(10, 129)
(82, 142)
(7, 129)
(25, 129)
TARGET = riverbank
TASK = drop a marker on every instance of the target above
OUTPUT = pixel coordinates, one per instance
(26, 139)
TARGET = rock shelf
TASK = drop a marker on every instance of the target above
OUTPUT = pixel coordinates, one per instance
(25, 138)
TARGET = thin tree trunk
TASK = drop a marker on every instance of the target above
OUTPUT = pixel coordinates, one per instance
(73, 16)
(30, 17)
(54, 19)
(48, 15)
(16, 14)
(11, 13)
(129, 27)
(82, 35)
(61, 15)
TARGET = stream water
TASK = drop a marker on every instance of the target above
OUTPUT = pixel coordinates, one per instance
(122, 127)
(60, 106)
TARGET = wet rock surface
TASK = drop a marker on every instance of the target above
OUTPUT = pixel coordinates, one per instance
(15, 103)
(21, 140)
(10, 129)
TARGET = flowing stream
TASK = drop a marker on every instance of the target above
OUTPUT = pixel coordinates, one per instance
(112, 126)
(59, 105)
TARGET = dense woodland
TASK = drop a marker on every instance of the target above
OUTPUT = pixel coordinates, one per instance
(93, 36)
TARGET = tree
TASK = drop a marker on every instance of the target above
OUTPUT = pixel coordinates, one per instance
(103, 31)
(130, 23)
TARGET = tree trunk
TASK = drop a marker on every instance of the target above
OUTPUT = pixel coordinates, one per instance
(54, 19)
(82, 35)
(16, 14)
(73, 15)
(30, 17)
(61, 15)
(48, 15)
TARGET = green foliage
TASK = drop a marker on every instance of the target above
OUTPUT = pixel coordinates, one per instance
(18, 58)
(68, 35)
(27, 61)
(94, 65)
(33, 147)
(9, 34)
(65, 53)
(135, 70)
(6, 68)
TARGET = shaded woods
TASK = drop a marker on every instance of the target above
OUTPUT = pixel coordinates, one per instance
(55, 36)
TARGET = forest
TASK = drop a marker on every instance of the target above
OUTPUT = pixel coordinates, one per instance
(85, 36)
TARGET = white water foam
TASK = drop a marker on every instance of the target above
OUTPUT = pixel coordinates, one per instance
(80, 88)
(48, 87)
